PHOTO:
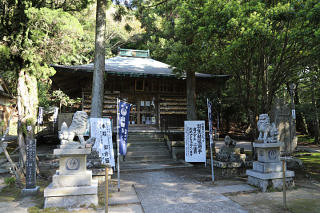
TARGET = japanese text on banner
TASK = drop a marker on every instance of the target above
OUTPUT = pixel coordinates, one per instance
(123, 122)
(101, 129)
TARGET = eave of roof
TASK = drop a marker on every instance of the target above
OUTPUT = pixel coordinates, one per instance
(134, 67)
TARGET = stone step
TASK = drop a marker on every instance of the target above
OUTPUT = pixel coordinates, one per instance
(4, 171)
(146, 161)
(146, 153)
(147, 148)
(152, 166)
(145, 144)
(153, 157)
(145, 134)
(145, 140)
(3, 160)
(131, 147)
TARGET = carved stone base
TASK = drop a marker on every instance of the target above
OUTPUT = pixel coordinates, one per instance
(68, 197)
(71, 201)
(265, 184)
(72, 185)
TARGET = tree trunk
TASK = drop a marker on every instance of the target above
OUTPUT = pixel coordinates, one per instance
(99, 61)
(264, 91)
(27, 103)
(315, 118)
(191, 96)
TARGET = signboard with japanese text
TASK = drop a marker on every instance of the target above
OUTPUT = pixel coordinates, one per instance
(101, 129)
(195, 141)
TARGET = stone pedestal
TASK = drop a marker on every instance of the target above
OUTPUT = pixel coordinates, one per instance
(267, 171)
(30, 192)
(72, 185)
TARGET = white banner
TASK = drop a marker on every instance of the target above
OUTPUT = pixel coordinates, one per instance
(195, 141)
(55, 114)
(40, 116)
(294, 114)
(101, 129)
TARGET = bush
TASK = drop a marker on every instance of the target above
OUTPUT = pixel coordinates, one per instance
(10, 181)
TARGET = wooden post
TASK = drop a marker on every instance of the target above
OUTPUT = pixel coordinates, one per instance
(107, 189)
(284, 184)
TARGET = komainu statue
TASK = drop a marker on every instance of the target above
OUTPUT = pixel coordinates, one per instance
(77, 128)
(268, 133)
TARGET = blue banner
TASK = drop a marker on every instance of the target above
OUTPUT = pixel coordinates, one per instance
(123, 123)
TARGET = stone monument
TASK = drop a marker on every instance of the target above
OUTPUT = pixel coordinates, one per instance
(281, 114)
(31, 188)
(267, 171)
(229, 152)
(72, 185)
(229, 159)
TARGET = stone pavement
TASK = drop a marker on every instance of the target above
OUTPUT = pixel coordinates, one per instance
(181, 191)
(124, 201)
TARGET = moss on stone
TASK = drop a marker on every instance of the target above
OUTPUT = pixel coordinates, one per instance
(35, 209)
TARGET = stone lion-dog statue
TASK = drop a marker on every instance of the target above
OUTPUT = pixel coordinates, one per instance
(77, 128)
(267, 132)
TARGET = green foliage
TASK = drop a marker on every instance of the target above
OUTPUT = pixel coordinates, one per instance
(10, 181)
(62, 99)
(305, 139)
(263, 45)
(53, 37)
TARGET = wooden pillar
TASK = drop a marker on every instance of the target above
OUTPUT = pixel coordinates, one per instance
(158, 121)
(138, 111)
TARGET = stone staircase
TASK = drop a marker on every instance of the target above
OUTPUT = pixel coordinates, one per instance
(148, 151)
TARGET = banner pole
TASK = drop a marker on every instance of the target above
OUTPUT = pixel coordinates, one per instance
(212, 173)
(209, 105)
(118, 143)
(107, 189)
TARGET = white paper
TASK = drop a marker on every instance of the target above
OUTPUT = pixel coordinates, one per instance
(147, 103)
(195, 141)
(142, 103)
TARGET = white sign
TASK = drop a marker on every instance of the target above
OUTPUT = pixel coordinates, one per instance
(55, 114)
(195, 141)
(294, 114)
(40, 116)
(101, 129)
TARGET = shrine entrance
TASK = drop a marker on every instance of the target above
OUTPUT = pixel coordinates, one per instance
(143, 111)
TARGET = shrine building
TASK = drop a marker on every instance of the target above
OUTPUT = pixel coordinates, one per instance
(156, 92)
